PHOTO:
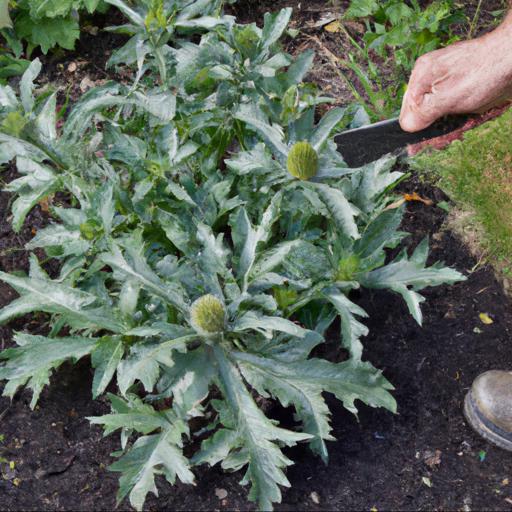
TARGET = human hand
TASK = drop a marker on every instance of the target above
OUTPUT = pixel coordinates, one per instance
(466, 77)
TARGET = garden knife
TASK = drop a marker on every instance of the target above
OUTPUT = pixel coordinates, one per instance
(366, 144)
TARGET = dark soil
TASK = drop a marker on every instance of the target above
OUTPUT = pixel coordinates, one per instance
(425, 457)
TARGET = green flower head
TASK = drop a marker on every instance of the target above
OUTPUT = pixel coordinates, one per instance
(207, 315)
(347, 268)
(302, 161)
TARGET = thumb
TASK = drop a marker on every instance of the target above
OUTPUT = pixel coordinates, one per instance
(413, 117)
(416, 112)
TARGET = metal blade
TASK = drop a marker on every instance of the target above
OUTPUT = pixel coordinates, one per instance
(366, 144)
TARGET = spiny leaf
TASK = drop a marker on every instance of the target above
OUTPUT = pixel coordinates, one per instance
(407, 276)
(343, 213)
(187, 381)
(352, 330)
(105, 358)
(349, 380)
(325, 127)
(307, 399)
(274, 26)
(27, 84)
(247, 238)
(134, 415)
(271, 134)
(265, 461)
(133, 265)
(267, 325)
(38, 182)
(39, 293)
(36, 356)
(144, 362)
(149, 456)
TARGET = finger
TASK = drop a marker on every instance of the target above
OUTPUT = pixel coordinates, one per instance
(421, 80)
(414, 118)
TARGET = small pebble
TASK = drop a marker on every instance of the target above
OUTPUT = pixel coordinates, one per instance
(314, 497)
(221, 494)
(86, 84)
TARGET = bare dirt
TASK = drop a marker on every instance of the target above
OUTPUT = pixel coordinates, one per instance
(423, 458)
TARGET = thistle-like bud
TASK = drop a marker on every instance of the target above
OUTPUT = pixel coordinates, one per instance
(302, 161)
(90, 229)
(207, 315)
(347, 268)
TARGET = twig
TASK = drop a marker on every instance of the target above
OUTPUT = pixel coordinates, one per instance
(333, 58)
(3, 413)
(480, 263)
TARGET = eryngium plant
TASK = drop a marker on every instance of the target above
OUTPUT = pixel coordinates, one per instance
(199, 289)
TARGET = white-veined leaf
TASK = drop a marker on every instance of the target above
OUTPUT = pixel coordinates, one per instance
(39, 293)
(325, 127)
(36, 356)
(38, 182)
(267, 325)
(12, 147)
(130, 13)
(349, 380)
(342, 212)
(351, 329)
(46, 120)
(258, 435)
(144, 361)
(149, 456)
(27, 85)
(105, 358)
(57, 235)
(274, 26)
(271, 134)
(407, 276)
(133, 265)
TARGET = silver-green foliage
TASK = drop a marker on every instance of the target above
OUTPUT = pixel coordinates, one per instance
(159, 220)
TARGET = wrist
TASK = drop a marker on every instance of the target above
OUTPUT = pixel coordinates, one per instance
(504, 30)
(499, 45)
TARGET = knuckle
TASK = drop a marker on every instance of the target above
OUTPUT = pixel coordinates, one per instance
(424, 61)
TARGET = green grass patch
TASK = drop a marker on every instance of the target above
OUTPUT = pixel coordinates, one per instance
(477, 174)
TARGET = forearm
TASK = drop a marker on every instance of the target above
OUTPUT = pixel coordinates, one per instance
(507, 22)
(499, 43)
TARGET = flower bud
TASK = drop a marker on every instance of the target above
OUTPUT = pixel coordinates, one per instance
(207, 315)
(302, 161)
(347, 268)
(90, 229)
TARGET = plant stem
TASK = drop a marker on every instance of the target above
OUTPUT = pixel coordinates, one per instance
(474, 21)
